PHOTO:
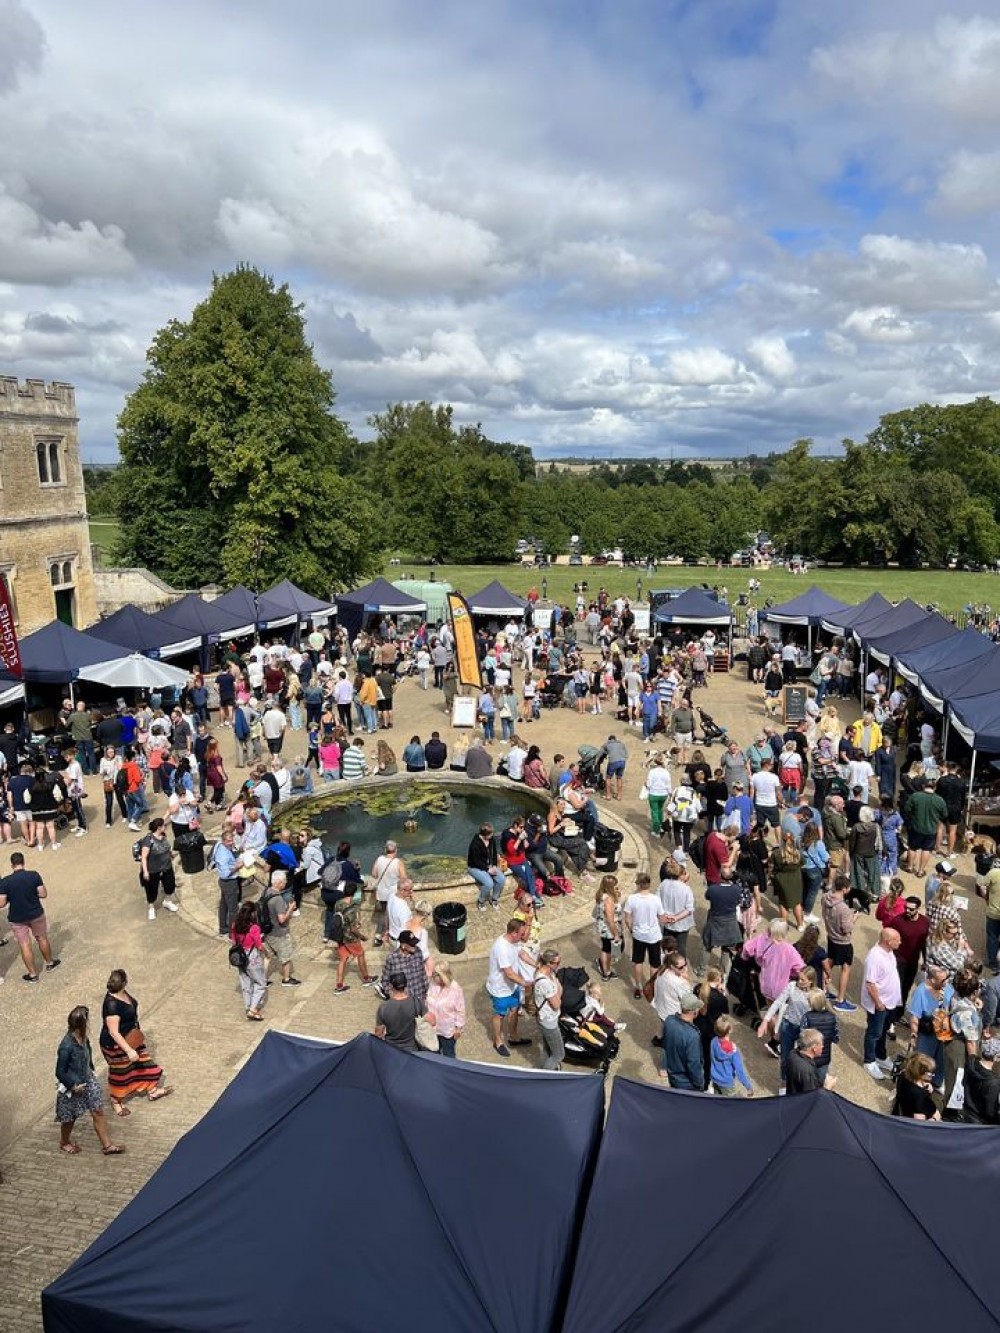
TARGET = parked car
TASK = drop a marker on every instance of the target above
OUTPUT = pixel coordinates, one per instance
(576, 560)
(597, 560)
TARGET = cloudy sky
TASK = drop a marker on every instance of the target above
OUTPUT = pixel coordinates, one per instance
(595, 226)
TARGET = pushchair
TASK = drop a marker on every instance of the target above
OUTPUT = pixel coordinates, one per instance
(743, 984)
(591, 763)
(584, 1043)
(711, 729)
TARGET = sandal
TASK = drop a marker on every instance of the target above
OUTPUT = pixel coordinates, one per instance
(254, 1017)
(71, 1148)
(157, 1094)
(118, 1109)
(113, 1150)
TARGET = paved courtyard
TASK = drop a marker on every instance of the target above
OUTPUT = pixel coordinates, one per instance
(52, 1206)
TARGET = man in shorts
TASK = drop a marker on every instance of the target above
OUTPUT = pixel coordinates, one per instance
(280, 906)
(765, 787)
(21, 893)
(682, 724)
(615, 771)
(504, 986)
(924, 813)
(838, 919)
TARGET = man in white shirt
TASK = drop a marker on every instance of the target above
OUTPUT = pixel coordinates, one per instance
(516, 756)
(677, 919)
(399, 910)
(273, 725)
(503, 983)
(765, 788)
(880, 992)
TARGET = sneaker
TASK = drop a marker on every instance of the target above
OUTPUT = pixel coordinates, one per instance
(151, 914)
(773, 1049)
(500, 1050)
(620, 1027)
(133, 826)
(107, 825)
(170, 905)
(368, 981)
(480, 907)
(380, 991)
(296, 912)
(495, 904)
(33, 976)
(291, 981)
(339, 990)
(890, 1033)
(885, 1064)
(845, 1006)
(51, 967)
(56, 847)
(80, 833)
(874, 1070)
(811, 920)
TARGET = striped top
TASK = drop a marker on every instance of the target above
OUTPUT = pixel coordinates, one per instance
(352, 763)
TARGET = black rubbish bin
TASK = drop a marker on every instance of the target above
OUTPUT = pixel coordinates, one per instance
(607, 842)
(190, 847)
(450, 922)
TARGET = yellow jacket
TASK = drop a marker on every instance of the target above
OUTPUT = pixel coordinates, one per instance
(856, 730)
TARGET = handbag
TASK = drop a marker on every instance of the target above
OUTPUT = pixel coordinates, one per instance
(427, 1038)
(643, 793)
(135, 1039)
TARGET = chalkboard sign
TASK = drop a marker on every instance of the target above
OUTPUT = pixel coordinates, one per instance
(794, 700)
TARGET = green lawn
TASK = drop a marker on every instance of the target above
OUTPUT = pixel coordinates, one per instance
(950, 589)
(103, 534)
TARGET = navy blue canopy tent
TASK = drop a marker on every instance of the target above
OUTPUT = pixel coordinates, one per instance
(721, 1241)
(933, 629)
(204, 619)
(11, 688)
(409, 1179)
(54, 654)
(292, 601)
(378, 598)
(252, 612)
(810, 609)
(694, 607)
(843, 622)
(141, 632)
(496, 600)
(879, 623)
(923, 665)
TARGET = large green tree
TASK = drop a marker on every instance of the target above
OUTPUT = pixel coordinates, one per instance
(232, 457)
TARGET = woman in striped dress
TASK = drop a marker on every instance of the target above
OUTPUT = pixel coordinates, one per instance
(131, 1068)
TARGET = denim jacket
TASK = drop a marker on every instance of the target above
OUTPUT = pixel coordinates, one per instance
(74, 1063)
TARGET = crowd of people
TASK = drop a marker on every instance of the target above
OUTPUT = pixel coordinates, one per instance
(884, 803)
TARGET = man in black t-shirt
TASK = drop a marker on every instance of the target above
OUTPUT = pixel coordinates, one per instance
(21, 892)
(951, 789)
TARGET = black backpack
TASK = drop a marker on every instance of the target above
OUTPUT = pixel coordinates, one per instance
(337, 926)
(697, 851)
(264, 913)
(238, 956)
(121, 782)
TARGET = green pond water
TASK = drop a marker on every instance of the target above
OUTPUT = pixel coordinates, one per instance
(442, 820)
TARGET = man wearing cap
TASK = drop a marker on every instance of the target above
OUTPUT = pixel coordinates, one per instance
(942, 873)
(683, 1062)
(407, 961)
(739, 807)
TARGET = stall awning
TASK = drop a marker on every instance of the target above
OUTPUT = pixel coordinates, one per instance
(54, 654)
(844, 622)
(252, 611)
(136, 630)
(496, 600)
(933, 629)
(810, 608)
(694, 607)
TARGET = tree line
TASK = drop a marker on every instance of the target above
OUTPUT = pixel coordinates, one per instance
(235, 468)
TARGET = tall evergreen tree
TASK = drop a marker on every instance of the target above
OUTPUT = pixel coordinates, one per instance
(232, 458)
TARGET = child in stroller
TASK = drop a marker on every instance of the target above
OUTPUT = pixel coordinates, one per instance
(591, 761)
(586, 1042)
(713, 731)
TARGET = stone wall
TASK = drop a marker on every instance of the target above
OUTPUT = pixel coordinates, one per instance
(44, 538)
(118, 587)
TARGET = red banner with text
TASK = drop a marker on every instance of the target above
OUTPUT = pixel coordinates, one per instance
(10, 653)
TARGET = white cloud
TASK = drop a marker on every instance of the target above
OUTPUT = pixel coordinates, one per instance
(970, 185)
(881, 324)
(701, 365)
(772, 355)
(35, 250)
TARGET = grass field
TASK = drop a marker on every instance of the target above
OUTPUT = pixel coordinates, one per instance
(950, 589)
(103, 533)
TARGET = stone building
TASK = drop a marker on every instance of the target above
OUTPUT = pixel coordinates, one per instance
(44, 537)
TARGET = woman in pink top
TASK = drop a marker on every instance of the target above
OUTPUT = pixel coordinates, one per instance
(329, 759)
(246, 933)
(446, 1008)
(893, 904)
(779, 961)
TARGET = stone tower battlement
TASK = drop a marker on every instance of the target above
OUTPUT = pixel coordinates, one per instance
(35, 397)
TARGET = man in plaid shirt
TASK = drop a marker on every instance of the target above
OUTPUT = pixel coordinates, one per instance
(410, 961)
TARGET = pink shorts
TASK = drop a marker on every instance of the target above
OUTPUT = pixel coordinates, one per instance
(23, 930)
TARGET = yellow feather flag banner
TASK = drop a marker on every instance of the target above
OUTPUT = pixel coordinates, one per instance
(465, 641)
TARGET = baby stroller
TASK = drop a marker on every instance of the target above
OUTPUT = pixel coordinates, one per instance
(585, 1043)
(712, 730)
(591, 762)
